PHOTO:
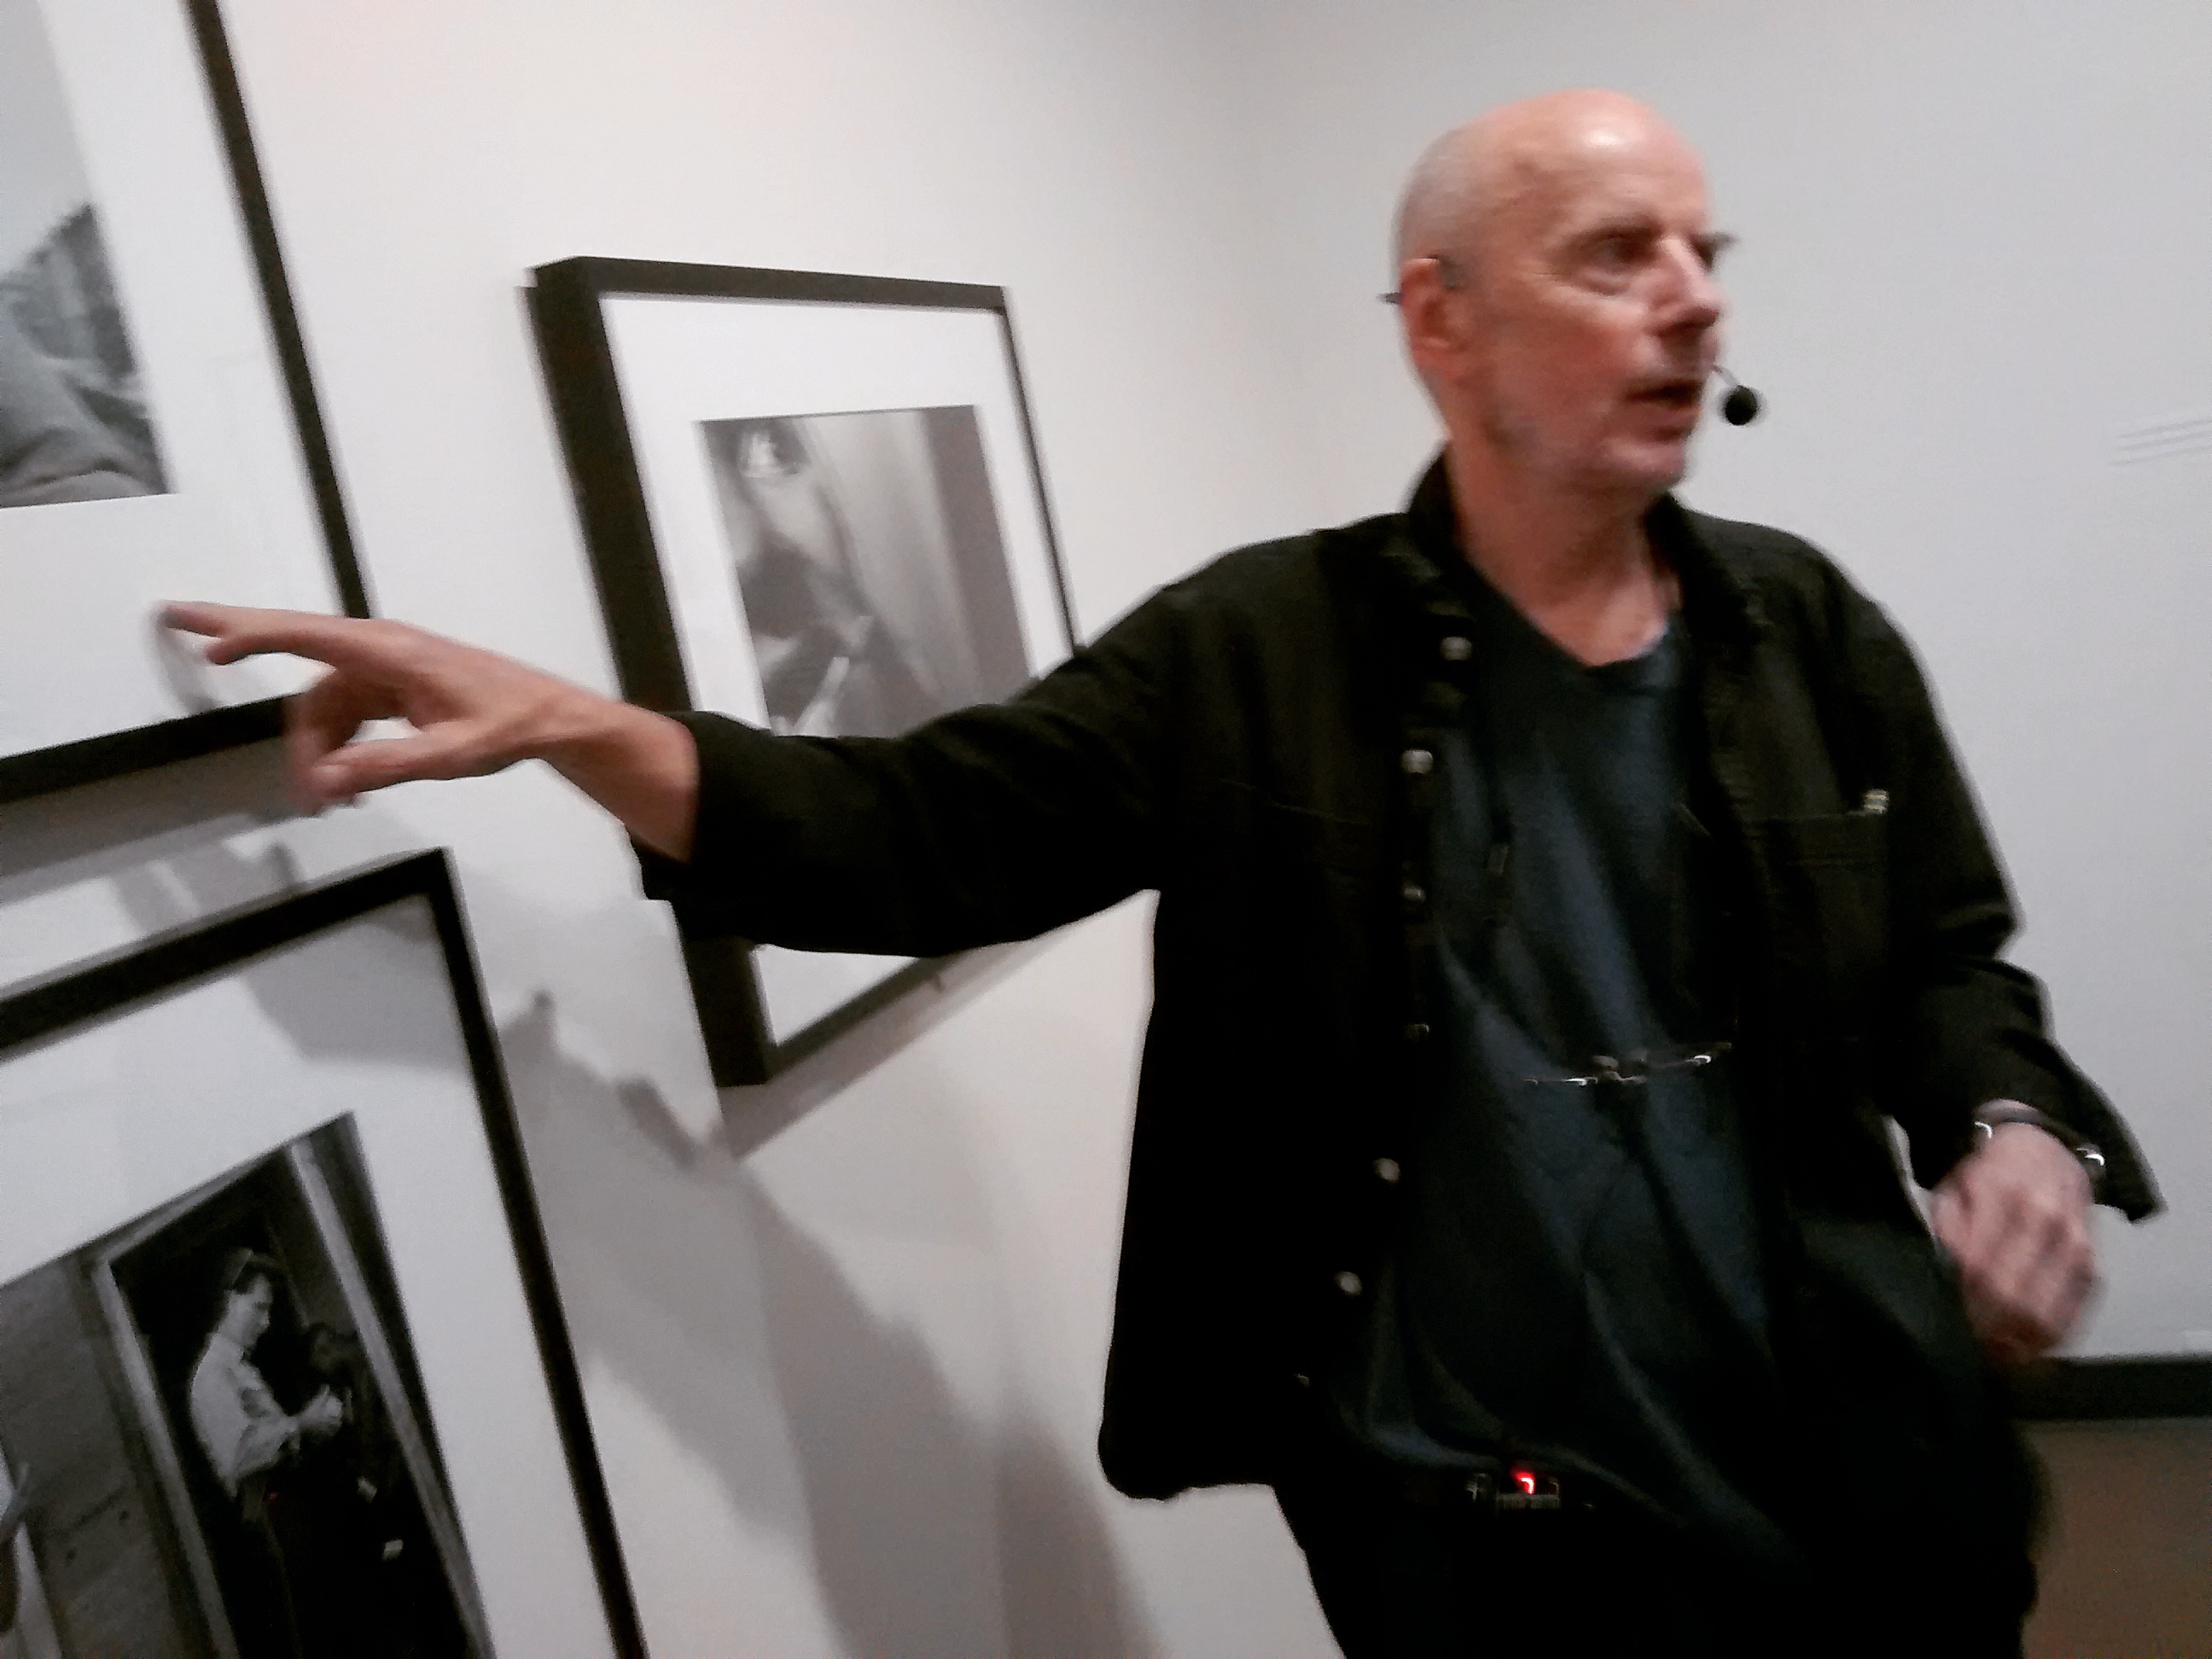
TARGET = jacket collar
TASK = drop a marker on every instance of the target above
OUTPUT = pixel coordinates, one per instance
(1719, 601)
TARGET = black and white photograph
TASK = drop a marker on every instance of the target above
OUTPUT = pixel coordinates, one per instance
(216, 1440)
(74, 421)
(283, 1370)
(867, 557)
(816, 503)
(159, 433)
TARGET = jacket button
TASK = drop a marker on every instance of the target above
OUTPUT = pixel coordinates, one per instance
(1387, 1171)
(1416, 895)
(1456, 649)
(1416, 763)
(1416, 1032)
(1348, 1282)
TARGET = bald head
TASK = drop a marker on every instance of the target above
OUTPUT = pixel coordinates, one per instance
(1496, 169)
(1556, 295)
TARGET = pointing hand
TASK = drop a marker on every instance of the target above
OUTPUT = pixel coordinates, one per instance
(473, 712)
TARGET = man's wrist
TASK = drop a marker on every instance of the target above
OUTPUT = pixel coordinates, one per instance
(641, 766)
(580, 729)
(2000, 1114)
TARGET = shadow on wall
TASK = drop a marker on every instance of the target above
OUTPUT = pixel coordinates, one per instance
(932, 1533)
(122, 829)
(754, 1114)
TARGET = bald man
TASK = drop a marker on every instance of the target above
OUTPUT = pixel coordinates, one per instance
(1561, 894)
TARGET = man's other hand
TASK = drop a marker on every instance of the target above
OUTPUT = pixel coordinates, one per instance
(2014, 1215)
(473, 712)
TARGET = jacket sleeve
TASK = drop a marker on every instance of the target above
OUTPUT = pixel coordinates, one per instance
(1963, 1027)
(993, 823)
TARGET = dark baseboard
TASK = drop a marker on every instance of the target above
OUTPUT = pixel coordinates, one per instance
(2109, 1390)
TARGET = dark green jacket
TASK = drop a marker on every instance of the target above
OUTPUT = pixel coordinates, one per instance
(1253, 742)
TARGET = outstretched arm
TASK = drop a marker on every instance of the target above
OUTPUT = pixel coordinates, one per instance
(473, 712)
(990, 824)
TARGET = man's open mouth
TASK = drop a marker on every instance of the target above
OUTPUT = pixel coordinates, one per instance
(1682, 393)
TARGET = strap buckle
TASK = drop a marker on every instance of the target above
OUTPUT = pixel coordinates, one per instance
(1637, 1069)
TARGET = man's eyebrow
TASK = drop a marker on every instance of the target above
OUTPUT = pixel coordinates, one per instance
(1714, 243)
(1627, 223)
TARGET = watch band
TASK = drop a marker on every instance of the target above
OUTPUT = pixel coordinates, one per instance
(1993, 1116)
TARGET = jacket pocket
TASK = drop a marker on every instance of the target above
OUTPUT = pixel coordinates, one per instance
(1827, 882)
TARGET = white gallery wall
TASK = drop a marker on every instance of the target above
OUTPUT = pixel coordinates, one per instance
(842, 1336)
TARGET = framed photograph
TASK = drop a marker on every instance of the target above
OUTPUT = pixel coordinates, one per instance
(159, 437)
(813, 503)
(283, 1370)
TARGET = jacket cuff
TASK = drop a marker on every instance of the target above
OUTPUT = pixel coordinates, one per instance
(2046, 1081)
(709, 886)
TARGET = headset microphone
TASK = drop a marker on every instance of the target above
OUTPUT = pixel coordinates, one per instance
(1742, 405)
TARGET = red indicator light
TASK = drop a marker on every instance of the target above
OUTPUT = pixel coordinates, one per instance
(1525, 1481)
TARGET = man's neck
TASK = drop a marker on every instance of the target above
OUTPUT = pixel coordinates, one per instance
(1579, 567)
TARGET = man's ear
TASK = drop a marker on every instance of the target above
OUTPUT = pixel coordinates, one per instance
(1434, 316)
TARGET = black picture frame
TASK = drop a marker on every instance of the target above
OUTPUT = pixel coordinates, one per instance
(84, 995)
(567, 302)
(87, 760)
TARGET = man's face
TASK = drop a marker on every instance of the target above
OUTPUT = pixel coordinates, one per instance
(781, 480)
(245, 1316)
(1592, 315)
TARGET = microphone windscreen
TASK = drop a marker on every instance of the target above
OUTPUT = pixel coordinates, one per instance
(1741, 406)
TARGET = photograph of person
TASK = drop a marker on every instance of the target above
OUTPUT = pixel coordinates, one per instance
(869, 560)
(74, 421)
(227, 1446)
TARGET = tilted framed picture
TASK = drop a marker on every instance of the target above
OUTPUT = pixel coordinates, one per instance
(283, 1370)
(159, 436)
(812, 502)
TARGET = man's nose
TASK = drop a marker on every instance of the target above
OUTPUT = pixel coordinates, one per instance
(1693, 300)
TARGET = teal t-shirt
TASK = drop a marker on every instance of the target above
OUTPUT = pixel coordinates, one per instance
(1578, 1278)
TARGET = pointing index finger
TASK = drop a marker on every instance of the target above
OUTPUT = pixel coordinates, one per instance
(238, 631)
